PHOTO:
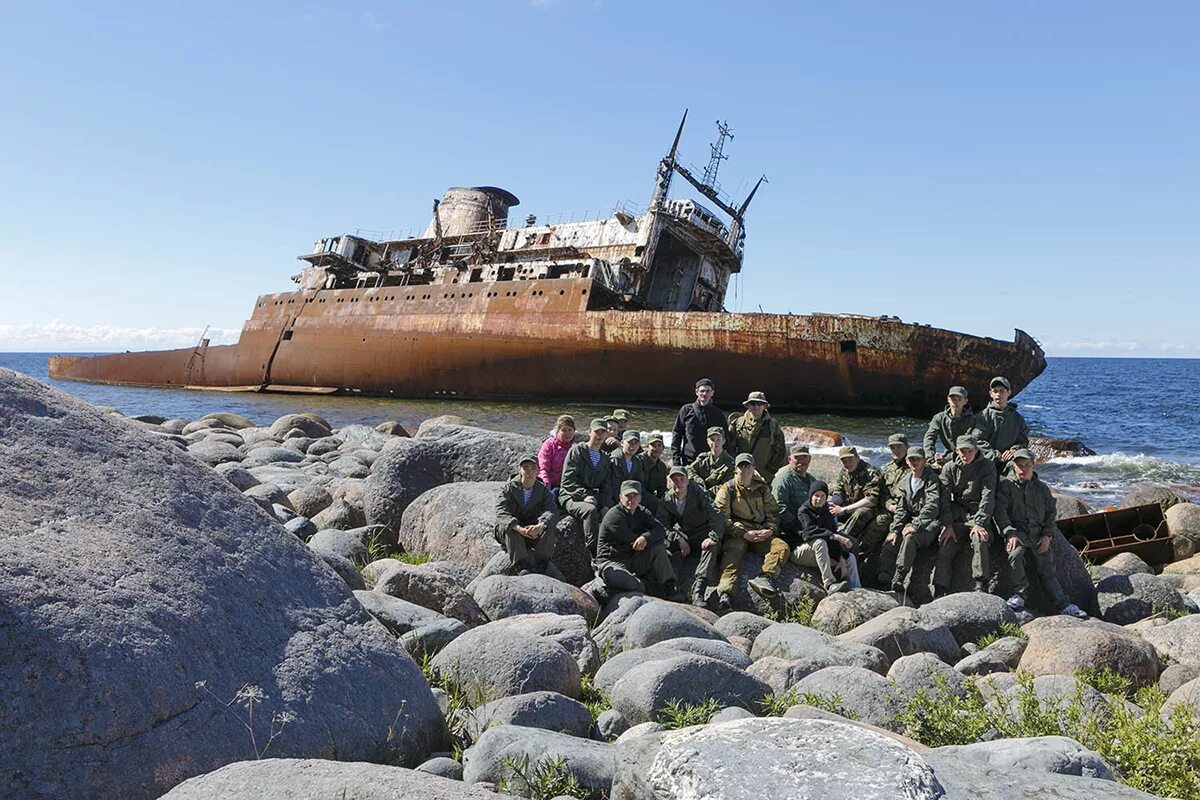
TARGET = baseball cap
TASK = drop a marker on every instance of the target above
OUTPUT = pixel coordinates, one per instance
(628, 487)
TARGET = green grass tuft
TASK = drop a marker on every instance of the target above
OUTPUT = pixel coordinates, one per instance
(680, 715)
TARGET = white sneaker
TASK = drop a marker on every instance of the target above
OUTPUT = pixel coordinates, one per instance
(1072, 610)
(1016, 602)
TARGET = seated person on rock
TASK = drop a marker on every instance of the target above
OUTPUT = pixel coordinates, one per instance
(857, 501)
(589, 483)
(917, 525)
(631, 555)
(655, 484)
(618, 423)
(893, 471)
(999, 428)
(751, 523)
(946, 426)
(792, 488)
(628, 465)
(1025, 514)
(693, 526)
(525, 517)
(552, 455)
(714, 467)
(756, 432)
(821, 545)
(968, 500)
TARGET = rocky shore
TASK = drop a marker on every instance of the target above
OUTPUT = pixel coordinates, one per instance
(215, 608)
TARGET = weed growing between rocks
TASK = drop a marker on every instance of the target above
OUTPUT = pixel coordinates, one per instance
(826, 702)
(458, 702)
(1006, 629)
(543, 780)
(1104, 680)
(248, 697)
(775, 705)
(799, 611)
(1169, 613)
(413, 558)
(597, 702)
(1150, 753)
(680, 715)
(377, 548)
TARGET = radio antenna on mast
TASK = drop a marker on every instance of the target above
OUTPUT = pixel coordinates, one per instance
(718, 155)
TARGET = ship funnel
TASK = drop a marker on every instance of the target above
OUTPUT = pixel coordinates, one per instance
(469, 210)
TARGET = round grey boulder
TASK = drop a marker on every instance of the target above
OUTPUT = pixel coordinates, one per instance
(310, 500)
(713, 648)
(644, 691)
(658, 620)
(786, 758)
(1063, 645)
(1002, 655)
(1186, 695)
(492, 662)
(442, 766)
(508, 595)
(547, 710)
(845, 611)
(742, 623)
(308, 425)
(429, 587)
(903, 631)
(970, 615)
(1146, 494)
(347, 544)
(344, 568)
(868, 696)
(214, 453)
(792, 642)
(610, 724)
(237, 475)
(1177, 675)
(1178, 640)
(925, 672)
(591, 762)
(570, 631)
(1125, 599)
(1128, 564)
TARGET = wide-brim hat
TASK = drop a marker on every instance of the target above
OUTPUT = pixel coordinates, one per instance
(756, 397)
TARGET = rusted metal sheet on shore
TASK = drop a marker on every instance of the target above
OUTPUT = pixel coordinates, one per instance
(1141, 530)
(536, 340)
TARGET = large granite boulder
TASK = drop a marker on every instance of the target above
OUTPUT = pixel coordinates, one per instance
(903, 631)
(844, 611)
(549, 711)
(658, 621)
(864, 695)
(1148, 493)
(1183, 520)
(490, 662)
(1178, 640)
(1055, 754)
(1125, 599)
(570, 631)
(288, 779)
(508, 595)
(742, 623)
(975, 779)
(970, 615)
(140, 594)
(1063, 645)
(927, 672)
(776, 758)
(646, 689)
(429, 587)
(592, 763)
(792, 642)
(449, 454)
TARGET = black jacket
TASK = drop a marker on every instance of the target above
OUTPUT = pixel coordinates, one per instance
(815, 523)
(698, 515)
(619, 529)
(689, 437)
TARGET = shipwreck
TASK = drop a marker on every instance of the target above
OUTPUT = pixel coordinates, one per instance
(624, 308)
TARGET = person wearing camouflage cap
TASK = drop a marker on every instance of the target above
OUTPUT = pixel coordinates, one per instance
(1025, 518)
(857, 503)
(946, 426)
(893, 472)
(715, 467)
(618, 423)
(655, 483)
(629, 466)
(968, 501)
(688, 438)
(756, 432)
(526, 514)
(917, 525)
(589, 483)
(751, 517)
(631, 555)
(694, 530)
(999, 428)
(793, 490)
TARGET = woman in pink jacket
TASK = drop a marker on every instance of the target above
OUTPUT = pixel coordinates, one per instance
(553, 452)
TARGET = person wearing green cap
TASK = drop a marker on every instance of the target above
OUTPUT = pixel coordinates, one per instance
(946, 426)
(629, 466)
(1025, 517)
(756, 432)
(631, 553)
(618, 423)
(999, 428)
(893, 472)
(968, 501)
(656, 469)
(694, 528)
(751, 517)
(856, 502)
(715, 467)
(589, 483)
(917, 525)
(526, 514)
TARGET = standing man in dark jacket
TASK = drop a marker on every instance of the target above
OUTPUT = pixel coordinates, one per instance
(1025, 517)
(968, 502)
(689, 436)
(999, 428)
(589, 483)
(693, 525)
(632, 548)
(946, 426)
(756, 432)
(916, 525)
(525, 516)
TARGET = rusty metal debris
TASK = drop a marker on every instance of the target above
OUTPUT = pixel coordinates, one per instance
(620, 307)
(1141, 530)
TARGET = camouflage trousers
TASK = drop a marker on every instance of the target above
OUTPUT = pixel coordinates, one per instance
(896, 559)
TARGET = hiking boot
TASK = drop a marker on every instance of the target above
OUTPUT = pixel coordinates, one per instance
(980, 586)
(1016, 602)
(1072, 610)
(764, 585)
(699, 593)
(598, 590)
(839, 586)
(939, 591)
(898, 587)
(724, 603)
(671, 593)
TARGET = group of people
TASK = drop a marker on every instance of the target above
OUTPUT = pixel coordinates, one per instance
(971, 483)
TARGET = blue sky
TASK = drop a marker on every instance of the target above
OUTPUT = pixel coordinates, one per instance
(973, 165)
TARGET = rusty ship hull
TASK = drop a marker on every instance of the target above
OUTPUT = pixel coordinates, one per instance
(537, 340)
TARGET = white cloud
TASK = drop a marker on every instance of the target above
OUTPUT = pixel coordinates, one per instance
(58, 336)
